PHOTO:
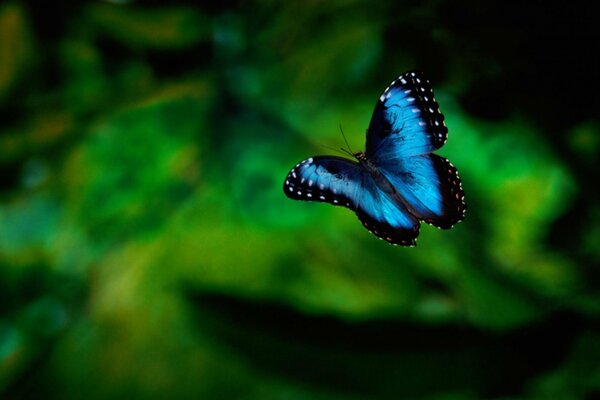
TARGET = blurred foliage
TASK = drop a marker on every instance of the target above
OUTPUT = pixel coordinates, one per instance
(147, 250)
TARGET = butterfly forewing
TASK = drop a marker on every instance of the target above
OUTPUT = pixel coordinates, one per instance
(406, 121)
(326, 179)
(345, 183)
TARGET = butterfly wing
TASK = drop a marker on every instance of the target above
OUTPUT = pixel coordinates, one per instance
(406, 121)
(431, 188)
(405, 128)
(342, 182)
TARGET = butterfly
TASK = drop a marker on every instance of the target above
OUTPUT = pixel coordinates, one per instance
(398, 181)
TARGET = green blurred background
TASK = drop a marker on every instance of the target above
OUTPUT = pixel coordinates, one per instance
(147, 249)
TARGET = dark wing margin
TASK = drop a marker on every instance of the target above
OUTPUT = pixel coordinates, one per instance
(384, 231)
(453, 195)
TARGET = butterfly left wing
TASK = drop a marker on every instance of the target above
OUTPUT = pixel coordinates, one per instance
(345, 183)
(326, 179)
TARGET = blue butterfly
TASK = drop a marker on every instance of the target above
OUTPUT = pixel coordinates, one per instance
(397, 182)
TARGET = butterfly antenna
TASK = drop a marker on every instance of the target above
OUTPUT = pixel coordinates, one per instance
(349, 151)
(334, 149)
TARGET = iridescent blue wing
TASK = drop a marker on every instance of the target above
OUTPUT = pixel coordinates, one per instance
(406, 121)
(342, 182)
(430, 187)
(405, 128)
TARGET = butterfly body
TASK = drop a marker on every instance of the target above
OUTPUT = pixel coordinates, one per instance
(397, 181)
(381, 180)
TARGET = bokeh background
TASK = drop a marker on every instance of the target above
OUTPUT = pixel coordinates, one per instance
(147, 249)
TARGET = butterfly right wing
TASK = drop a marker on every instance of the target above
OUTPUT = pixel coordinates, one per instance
(342, 182)
(406, 127)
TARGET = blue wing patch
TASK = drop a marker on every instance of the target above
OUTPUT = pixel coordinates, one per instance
(345, 183)
(397, 181)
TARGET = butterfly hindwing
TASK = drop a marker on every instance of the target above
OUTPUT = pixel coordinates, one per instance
(388, 221)
(406, 120)
(431, 187)
(345, 183)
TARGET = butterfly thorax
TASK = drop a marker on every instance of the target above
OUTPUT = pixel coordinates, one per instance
(367, 164)
(382, 181)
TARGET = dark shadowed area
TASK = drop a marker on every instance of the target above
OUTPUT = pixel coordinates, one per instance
(147, 249)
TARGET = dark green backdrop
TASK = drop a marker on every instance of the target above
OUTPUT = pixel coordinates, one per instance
(147, 249)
